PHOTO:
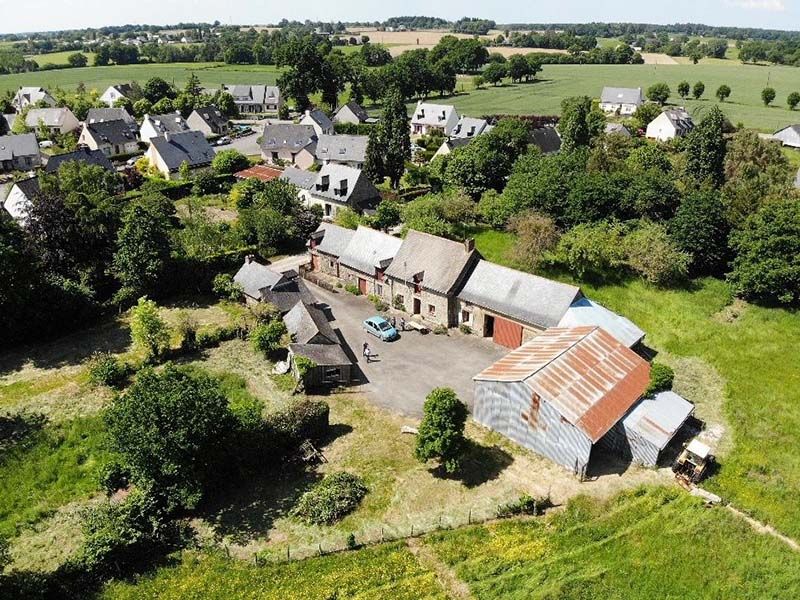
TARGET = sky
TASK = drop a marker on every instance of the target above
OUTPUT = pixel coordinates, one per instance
(41, 15)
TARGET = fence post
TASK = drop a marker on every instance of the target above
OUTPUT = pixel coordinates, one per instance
(440, 521)
(469, 517)
(320, 549)
(412, 530)
(534, 508)
(288, 554)
(381, 533)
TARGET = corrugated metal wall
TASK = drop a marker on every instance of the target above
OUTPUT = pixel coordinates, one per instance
(643, 452)
(512, 409)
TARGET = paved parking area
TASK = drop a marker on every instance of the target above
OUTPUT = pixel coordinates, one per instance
(404, 371)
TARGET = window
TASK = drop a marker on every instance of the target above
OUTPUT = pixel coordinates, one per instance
(332, 264)
(401, 299)
(466, 316)
(274, 156)
(379, 289)
(432, 310)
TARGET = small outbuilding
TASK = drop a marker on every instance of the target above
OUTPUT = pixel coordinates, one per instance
(652, 424)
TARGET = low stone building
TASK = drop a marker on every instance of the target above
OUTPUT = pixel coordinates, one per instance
(365, 260)
(426, 273)
(326, 245)
(259, 283)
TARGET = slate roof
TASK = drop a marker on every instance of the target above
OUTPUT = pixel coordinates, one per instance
(360, 192)
(7, 122)
(305, 322)
(13, 146)
(52, 117)
(334, 239)
(546, 139)
(113, 132)
(108, 114)
(126, 89)
(469, 127)
(657, 419)
(356, 109)
(291, 137)
(19, 208)
(427, 113)
(320, 118)
(617, 128)
(370, 249)
(288, 292)
(31, 94)
(212, 116)
(586, 374)
(439, 261)
(324, 355)
(253, 94)
(171, 122)
(189, 146)
(29, 187)
(617, 95)
(522, 296)
(299, 177)
(588, 312)
(253, 277)
(680, 119)
(454, 143)
(84, 155)
(342, 148)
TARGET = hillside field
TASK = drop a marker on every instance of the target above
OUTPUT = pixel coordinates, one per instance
(59, 58)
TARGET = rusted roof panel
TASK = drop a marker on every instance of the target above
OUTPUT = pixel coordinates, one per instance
(585, 373)
(262, 172)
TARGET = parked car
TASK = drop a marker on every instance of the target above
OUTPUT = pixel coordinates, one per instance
(380, 328)
(223, 140)
(45, 144)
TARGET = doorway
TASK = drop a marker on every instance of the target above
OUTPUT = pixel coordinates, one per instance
(417, 306)
(488, 326)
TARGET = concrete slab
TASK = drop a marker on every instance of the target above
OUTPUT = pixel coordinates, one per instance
(404, 371)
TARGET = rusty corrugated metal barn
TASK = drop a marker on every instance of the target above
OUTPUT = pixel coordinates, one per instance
(560, 393)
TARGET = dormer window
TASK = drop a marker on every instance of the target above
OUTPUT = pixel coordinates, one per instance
(421, 113)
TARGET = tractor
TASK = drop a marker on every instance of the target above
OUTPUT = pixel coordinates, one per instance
(692, 463)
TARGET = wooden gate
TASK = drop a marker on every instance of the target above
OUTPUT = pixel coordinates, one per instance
(362, 286)
(506, 333)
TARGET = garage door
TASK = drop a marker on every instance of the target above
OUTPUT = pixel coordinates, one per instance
(506, 333)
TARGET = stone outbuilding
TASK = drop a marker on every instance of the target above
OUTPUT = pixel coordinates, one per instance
(326, 245)
(365, 260)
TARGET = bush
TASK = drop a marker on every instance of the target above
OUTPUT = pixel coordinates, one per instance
(302, 420)
(149, 332)
(225, 287)
(440, 330)
(465, 329)
(214, 337)
(441, 432)
(229, 162)
(268, 338)
(661, 377)
(525, 505)
(114, 476)
(397, 302)
(105, 369)
(187, 329)
(337, 495)
(378, 302)
(352, 288)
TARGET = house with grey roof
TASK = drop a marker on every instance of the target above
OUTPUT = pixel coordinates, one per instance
(546, 138)
(426, 274)
(622, 101)
(788, 136)
(117, 92)
(352, 112)
(83, 155)
(30, 96)
(7, 122)
(326, 245)
(469, 127)
(366, 258)
(169, 151)
(349, 150)
(158, 125)
(512, 307)
(307, 324)
(56, 120)
(451, 144)
(671, 123)
(18, 202)
(112, 138)
(260, 283)
(209, 120)
(97, 115)
(287, 143)
(19, 152)
(255, 99)
(428, 117)
(319, 121)
(617, 129)
(339, 186)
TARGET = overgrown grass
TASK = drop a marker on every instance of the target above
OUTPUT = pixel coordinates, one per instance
(52, 467)
(650, 543)
(389, 571)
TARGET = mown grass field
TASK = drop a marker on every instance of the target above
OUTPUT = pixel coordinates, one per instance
(752, 349)
(59, 58)
(647, 543)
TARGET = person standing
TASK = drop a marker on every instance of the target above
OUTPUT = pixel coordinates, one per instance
(367, 353)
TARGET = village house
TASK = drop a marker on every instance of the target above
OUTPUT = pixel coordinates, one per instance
(81, 154)
(117, 92)
(621, 101)
(319, 121)
(98, 115)
(470, 127)
(255, 99)
(352, 113)
(338, 186)
(561, 393)
(259, 284)
(426, 273)
(546, 138)
(326, 245)
(303, 180)
(583, 312)
(289, 144)
(670, 124)
(430, 117)
(617, 129)
(31, 96)
(365, 260)
(451, 144)
(169, 151)
(18, 202)
(788, 136)
(512, 307)
(113, 138)
(209, 120)
(348, 150)
(19, 152)
(157, 125)
(56, 120)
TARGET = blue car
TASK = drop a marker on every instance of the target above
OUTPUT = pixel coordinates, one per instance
(380, 328)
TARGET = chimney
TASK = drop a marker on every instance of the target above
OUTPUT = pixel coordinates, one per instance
(167, 135)
(308, 112)
(248, 259)
(469, 245)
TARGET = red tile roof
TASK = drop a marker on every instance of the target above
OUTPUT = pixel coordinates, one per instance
(584, 372)
(262, 172)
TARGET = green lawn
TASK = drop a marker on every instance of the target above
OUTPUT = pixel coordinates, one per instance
(752, 349)
(58, 58)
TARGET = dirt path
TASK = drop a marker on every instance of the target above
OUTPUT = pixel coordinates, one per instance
(764, 528)
(453, 586)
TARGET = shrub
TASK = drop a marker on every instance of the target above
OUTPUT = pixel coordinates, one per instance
(267, 338)
(213, 337)
(440, 330)
(187, 329)
(378, 302)
(352, 288)
(351, 542)
(661, 377)
(149, 332)
(524, 505)
(105, 369)
(225, 287)
(302, 420)
(397, 302)
(337, 495)
(114, 476)
(265, 312)
(229, 162)
(441, 432)
(465, 329)
(303, 365)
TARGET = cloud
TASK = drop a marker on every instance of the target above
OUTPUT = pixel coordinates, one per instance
(768, 5)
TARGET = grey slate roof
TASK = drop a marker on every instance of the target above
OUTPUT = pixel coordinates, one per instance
(84, 155)
(288, 292)
(253, 277)
(108, 114)
(441, 263)
(320, 118)
(546, 139)
(334, 239)
(356, 109)
(346, 185)
(170, 122)
(13, 146)
(289, 137)
(52, 117)
(7, 122)
(617, 128)
(253, 94)
(617, 95)
(306, 322)
(299, 177)
(113, 132)
(29, 187)
(370, 249)
(212, 116)
(324, 355)
(588, 312)
(126, 89)
(469, 127)
(522, 296)
(657, 419)
(427, 113)
(342, 148)
(189, 146)
(680, 119)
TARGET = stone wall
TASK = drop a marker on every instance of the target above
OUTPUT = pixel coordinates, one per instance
(477, 315)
